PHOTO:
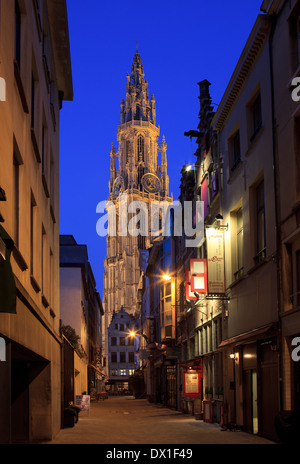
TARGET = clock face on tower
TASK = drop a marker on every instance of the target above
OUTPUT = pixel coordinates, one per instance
(151, 183)
(118, 186)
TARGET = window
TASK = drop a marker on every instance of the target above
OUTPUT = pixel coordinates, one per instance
(127, 150)
(235, 151)
(256, 117)
(123, 372)
(32, 233)
(138, 112)
(113, 341)
(297, 157)
(294, 23)
(114, 357)
(130, 371)
(44, 149)
(122, 341)
(44, 262)
(239, 245)
(114, 372)
(140, 147)
(17, 34)
(131, 357)
(122, 357)
(122, 327)
(297, 278)
(260, 223)
(166, 311)
(131, 341)
(16, 181)
(32, 100)
(166, 259)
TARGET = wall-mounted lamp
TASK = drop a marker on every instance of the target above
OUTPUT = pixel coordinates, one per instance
(166, 277)
(234, 357)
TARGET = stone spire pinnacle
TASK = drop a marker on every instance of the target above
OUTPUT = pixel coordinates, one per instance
(137, 105)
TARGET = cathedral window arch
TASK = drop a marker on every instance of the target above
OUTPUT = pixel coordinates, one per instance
(127, 150)
(138, 112)
(140, 147)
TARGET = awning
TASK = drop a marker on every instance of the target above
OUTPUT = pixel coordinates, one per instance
(247, 336)
(195, 364)
(98, 370)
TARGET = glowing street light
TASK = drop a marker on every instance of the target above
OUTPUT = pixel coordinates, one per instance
(166, 277)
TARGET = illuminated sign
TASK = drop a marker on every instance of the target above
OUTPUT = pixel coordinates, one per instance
(191, 383)
(215, 260)
(198, 275)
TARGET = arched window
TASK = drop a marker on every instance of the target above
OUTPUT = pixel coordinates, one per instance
(127, 150)
(138, 113)
(140, 147)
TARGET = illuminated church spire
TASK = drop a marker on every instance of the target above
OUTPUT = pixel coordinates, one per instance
(138, 168)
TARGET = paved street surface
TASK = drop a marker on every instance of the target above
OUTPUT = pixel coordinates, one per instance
(126, 420)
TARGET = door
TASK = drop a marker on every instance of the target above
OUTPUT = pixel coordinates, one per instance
(250, 409)
(19, 402)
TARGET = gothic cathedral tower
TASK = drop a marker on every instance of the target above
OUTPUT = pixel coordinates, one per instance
(141, 177)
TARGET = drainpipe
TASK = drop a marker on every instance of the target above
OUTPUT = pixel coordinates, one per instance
(274, 20)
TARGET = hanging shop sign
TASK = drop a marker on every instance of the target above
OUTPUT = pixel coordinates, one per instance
(189, 293)
(215, 261)
(198, 275)
(191, 383)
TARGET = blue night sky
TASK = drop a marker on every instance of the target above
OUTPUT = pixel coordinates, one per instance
(180, 43)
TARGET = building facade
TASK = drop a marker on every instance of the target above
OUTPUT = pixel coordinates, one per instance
(138, 177)
(81, 309)
(284, 48)
(236, 334)
(250, 340)
(36, 67)
(123, 350)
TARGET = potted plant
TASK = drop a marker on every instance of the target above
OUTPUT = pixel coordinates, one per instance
(69, 417)
(76, 410)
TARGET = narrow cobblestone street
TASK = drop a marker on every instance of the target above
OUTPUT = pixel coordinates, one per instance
(126, 420)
